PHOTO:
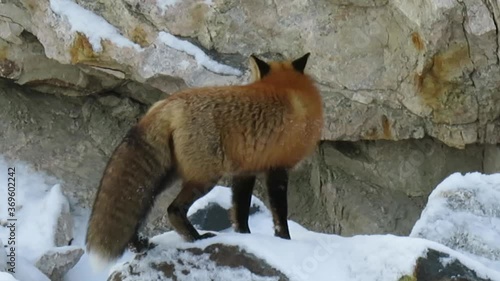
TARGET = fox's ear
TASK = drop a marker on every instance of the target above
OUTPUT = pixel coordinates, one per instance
(259, 67)
(300, 63)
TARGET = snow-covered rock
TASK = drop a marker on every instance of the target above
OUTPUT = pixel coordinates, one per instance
(307, 256)
(213, 211)
(63, 233)
(463, 213)
(57, 262)
(49, 218)
(215, 262)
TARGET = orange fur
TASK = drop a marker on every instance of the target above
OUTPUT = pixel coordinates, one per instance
(272, 122)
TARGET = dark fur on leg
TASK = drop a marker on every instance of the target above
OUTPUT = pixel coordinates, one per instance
(242, 188)
(277, 184)
(177, 211)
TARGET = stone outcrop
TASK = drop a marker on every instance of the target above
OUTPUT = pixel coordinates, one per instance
(389, 70)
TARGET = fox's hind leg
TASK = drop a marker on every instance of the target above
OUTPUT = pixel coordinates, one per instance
(242, 188)
(277, 184)
(177, 211)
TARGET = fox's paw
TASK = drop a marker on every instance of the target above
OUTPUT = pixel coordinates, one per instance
(207, 235)
(141, 244)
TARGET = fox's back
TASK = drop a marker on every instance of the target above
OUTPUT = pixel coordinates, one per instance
(245, 128)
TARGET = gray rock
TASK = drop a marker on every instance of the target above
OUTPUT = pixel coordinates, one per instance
(492, 159)
(214, 217)
(64, 228)
(216, 262)
(372, 187)
(432, 268)
(57, 262)
(388, 69)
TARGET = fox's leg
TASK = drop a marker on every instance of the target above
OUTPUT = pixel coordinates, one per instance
(277, 184)
(177, 211)
(139, 243)
(242, 188)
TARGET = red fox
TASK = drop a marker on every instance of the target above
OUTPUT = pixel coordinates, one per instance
(200, 135)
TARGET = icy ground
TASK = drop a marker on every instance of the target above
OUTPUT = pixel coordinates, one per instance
(308, 256)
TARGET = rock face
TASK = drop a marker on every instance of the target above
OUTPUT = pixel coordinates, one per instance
(388, 69)
(215, 262)
(421, 73)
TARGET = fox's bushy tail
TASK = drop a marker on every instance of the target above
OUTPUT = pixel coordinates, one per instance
(137, 171)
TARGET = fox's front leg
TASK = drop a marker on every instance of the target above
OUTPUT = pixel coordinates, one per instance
(242, 187)
(277, 185)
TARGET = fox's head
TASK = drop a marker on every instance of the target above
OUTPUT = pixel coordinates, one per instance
(261, 69)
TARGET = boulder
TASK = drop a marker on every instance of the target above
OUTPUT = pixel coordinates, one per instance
(57, 262)
(463, 214)
(215, 262)
(432, 268)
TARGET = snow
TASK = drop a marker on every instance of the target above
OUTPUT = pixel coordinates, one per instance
(307, 256)
(463, 212)
(93, 26)
(165, 4)
(200, 56)
(4, 276)
(40, 216)
(26, 271)
(222, 196)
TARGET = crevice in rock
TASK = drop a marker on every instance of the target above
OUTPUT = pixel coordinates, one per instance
(139, 15)
(464, 20)
(492, 10)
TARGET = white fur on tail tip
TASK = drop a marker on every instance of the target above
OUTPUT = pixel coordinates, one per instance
(98, 261)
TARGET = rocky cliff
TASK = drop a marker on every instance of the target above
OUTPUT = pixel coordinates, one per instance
(410, 88)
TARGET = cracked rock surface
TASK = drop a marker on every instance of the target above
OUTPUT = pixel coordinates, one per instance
(388, 69)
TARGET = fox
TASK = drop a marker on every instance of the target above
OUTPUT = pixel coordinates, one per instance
(198, 136)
